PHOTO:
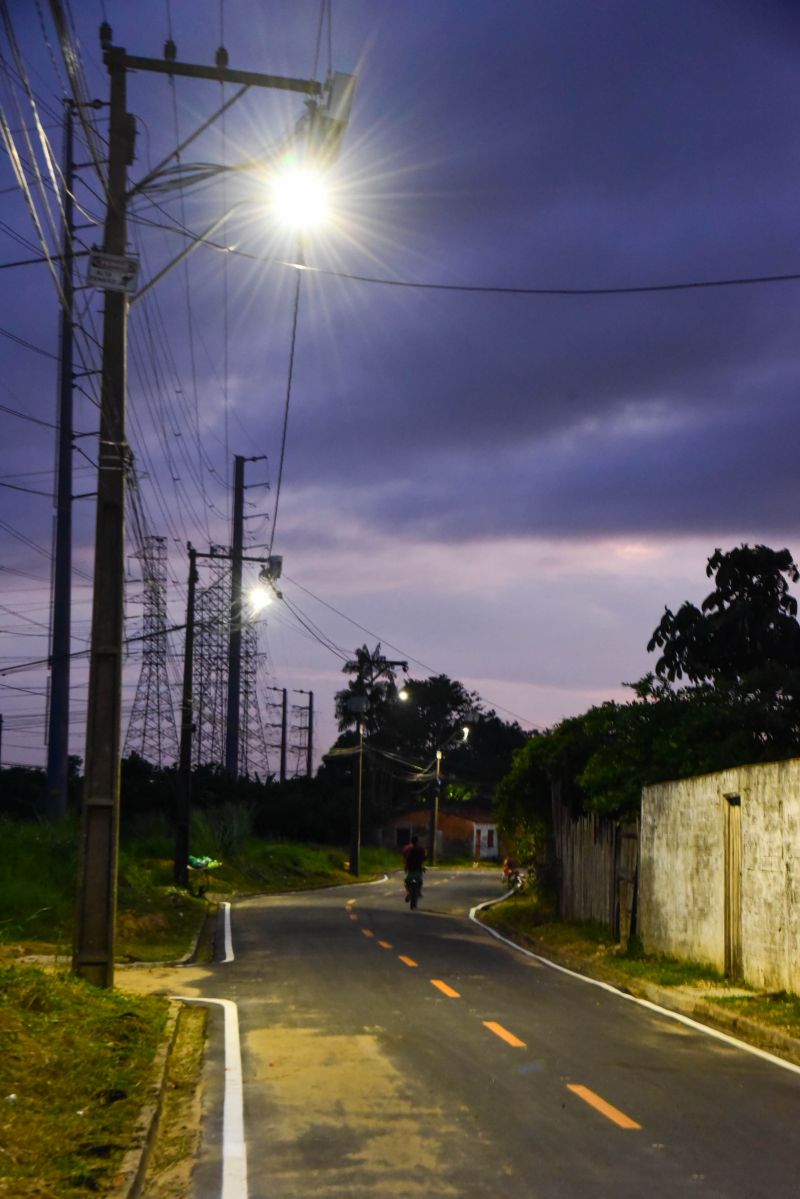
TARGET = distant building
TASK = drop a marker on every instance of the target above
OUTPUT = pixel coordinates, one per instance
(464, 830)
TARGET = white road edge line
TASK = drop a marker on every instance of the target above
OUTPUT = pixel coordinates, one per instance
(226, 915)
(234, 1146)
(646, 1003)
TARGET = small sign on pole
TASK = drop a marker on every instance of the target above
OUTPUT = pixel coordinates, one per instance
(112, 272)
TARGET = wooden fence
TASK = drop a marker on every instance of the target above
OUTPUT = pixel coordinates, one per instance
(597, 870)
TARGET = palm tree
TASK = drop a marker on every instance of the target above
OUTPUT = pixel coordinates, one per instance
(368, 694)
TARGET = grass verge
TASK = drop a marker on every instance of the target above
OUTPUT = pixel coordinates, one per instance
(156, 921)
(175, 1148)
(75, 1071)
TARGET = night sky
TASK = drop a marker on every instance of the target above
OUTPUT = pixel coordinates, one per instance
(502, 486)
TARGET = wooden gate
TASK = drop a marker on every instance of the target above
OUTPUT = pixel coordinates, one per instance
(733, 886)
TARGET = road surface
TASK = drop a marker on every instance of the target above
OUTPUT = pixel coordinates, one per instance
(390, 1053)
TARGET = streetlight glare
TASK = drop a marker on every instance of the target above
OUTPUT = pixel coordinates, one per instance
(259, 598)
(300, 197)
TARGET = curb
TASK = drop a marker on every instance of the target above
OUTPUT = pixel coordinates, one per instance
(685, 1003)
(762, 1035)
(130, 1178)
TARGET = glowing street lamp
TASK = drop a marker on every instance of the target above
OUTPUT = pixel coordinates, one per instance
(300, 197)
(259, 598)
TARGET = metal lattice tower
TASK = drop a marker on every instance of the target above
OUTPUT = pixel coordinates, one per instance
(212, 618)
(298, 741)
(253, 753)
(152, 732)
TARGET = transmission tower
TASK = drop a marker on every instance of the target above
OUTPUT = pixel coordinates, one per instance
(253, 753)
(152, 732)
(211, 663)
(301, 737)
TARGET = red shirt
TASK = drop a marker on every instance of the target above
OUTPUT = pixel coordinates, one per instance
(414, 856)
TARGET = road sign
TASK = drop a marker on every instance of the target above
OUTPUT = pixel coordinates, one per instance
(112, 272)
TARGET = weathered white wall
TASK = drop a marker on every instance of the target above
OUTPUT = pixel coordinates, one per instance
(682, 870)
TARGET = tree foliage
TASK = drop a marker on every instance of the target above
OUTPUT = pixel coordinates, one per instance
(745, 631)
(369, 693)
(739, 653)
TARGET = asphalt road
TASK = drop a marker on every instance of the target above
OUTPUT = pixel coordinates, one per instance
(390, 1053)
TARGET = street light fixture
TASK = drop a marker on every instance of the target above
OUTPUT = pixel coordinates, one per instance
(300, 197)
(463, 732)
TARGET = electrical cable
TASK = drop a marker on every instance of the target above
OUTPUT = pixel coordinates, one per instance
(27, 344)
(286, 412)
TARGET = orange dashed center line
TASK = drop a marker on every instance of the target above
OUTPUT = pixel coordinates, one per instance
(504, 1034)
(368, 932)
(443, 987)
(600, 1105)
(408, 961)
(385, 944)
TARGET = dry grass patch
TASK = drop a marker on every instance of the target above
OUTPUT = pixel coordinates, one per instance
(75, 1070)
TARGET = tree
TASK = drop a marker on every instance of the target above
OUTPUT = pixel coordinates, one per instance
(373, 684)
(435, 711)
(744, 642)
(744, 630)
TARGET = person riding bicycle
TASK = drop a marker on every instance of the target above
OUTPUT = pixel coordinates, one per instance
(414, 862)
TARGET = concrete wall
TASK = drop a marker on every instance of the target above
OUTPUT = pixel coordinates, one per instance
(682, 894)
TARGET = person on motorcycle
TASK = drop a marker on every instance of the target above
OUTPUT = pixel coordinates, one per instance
(414, 862)
(510, 871)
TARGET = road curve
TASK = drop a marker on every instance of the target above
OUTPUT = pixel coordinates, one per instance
(392, 1053)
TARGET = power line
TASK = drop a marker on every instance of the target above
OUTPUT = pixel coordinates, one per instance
(384, 641)
(502, 289)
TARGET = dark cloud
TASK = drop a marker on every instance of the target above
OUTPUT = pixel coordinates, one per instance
(548, 145)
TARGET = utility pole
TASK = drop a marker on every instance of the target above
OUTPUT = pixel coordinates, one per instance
(310, 745)
(93, 953)
(233, 711)
(235, 628)
(60, 644)
(183, 815)
(284, 709)
(434, 817)
(184, 806)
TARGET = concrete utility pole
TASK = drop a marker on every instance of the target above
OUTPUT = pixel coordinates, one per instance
(235, 628)
(93, 952)
(184, 805)
(284, 730)
(60, 644)
(183, 814)
(434, 817)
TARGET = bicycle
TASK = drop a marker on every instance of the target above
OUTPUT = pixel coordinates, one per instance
(414, 887)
